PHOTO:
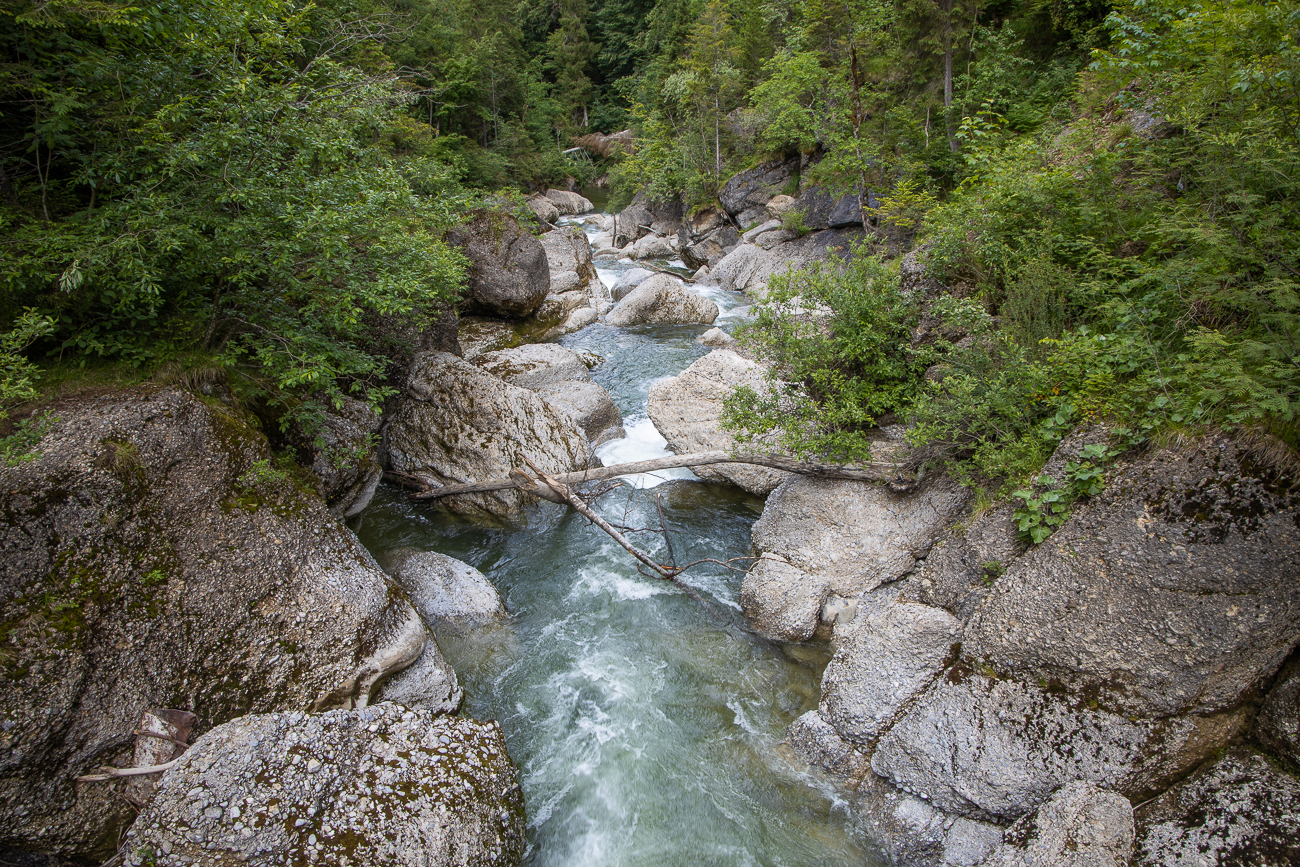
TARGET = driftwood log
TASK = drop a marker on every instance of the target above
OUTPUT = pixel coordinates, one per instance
(887, 474)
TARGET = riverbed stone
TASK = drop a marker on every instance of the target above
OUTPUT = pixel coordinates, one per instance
(629, 280)
(544, 208)
(662, 300)
(1081, 825)
(589, 405)
(508, 274)
(782, 602)
(687, 410)
(567, 249)
(718, 338)
(535, 365)
(155, 556)
(1235, 812)
(1278, 725)
(817, 742)
(984, 748)
(651, 247)
(458, 423)
(882, 660)
(385, 785)
(445, 590)
(569, 204)
(911, 831)
(1172, 591)
(859, 535)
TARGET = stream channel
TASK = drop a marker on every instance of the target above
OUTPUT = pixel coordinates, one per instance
(647, 727)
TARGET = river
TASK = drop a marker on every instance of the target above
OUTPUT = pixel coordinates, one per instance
(647, 726)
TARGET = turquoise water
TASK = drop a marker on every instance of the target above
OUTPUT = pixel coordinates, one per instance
(647, 726)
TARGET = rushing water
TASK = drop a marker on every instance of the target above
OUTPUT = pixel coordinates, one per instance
(646, 725)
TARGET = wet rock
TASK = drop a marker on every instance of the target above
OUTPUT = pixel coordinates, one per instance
(687, 409)
(154, 556)
(445, 590)
(816, 742)
(1278, 726)
(757, 186)
(986, 748)
(535, 365)
(858, 535)
(568, 204)
(457, 423)
(911, 831)
(662, 300)
(379, 786)
(508, 273)
(589, 405)
(716, 337)
(1172, 591)
(782, 602)
(651, 247)
(544, 208)
(1080, 826)
(629, 280)
(882, 660)
(1236, 812)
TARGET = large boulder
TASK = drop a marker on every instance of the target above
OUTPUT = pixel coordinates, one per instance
(561, 376)
(754, 188)
(981, 747)
(341, 452)
(1173, 591)
(629, 280)
(590, 406)
(508, 273)
(644, 216)
(909, 830)
(567, 249)
(444, 590)
(710, 249)
(823, 209)
(1080, 826)
(882, 660)
(379, 786)
(662, 300)
(156, 556)
(687, 410)
(458, 423)
(651, 247)
(567, 203)
(750, 268)
(960, 569)
(1237, 812)
(544, 208)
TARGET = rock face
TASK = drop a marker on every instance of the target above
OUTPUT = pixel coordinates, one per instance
(569, 204)
(629, 280)
(379, 786)
(459, 423)
(445, 590)
(155, 557)
(755, 187)
(1081, 826)
(1169, 593)
(508, 270)
(662, 300)
(342, 455)
(981, 747)
(1278, 726)
(687, 409)
(825, 210)
(750, 268)
(567, 249)
(1238, 811)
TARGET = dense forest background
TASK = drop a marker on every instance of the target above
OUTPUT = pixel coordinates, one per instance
(1107, 190)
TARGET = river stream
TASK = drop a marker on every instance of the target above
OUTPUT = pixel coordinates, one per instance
(647, 726)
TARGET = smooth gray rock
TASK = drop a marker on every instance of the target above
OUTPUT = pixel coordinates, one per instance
(1080, 826)
(883, 659)
(568, 204)
(1237, 812)
(775, 238)
(1172, 591)
(651, 247)
(567, 249)
(563, 282)
(544, 208)
(557, 307)
(980, 747)
(662, 300)
(778, 205)
(458, 423)
(816, 742)
(687, 410)
(825, 210)
(535, 365)
(750, 268)
(508, 273)
(1278, 725)
(379, 786)
(751, 217)
(857, 534)
(589, 405)
(444, 589)
(716, 337)
(629, 280)
(756, 186)
(579, 319)
(782, 602)
(154, 556)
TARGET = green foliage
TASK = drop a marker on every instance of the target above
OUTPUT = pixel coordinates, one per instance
(842, 360)
(1046, 506)
(17, 374)
(793, 221)
(20, 446)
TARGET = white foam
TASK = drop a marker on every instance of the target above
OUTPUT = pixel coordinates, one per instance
(608, 277)
(642, 443)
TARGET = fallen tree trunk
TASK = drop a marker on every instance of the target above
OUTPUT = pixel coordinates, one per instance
(887, 474)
